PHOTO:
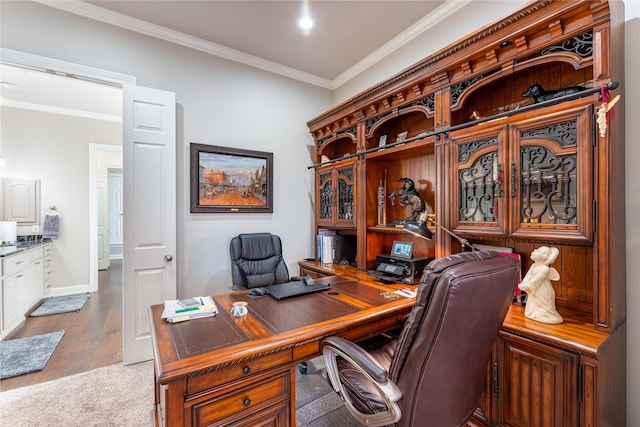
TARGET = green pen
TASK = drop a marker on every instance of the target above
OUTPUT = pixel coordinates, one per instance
(182, 310)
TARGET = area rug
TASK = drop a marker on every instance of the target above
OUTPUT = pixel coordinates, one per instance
(124, 397)
(115, 395)
(24, 355)
(64, 304)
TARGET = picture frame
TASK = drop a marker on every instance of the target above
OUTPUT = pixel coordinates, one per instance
(382, 141)
(230, 180)
(402, 136)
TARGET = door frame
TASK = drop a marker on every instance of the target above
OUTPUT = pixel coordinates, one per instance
(94, 210)
(23, 59)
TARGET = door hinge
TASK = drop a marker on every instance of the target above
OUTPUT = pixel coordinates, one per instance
(496, 388)
(579, 384)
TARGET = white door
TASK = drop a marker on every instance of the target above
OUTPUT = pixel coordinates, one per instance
(115, 214)
(149, 265)
(103, 232)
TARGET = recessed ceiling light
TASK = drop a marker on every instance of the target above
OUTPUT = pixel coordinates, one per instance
(306, 23)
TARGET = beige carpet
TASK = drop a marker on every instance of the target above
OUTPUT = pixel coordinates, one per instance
(122, 396)
(115, 395)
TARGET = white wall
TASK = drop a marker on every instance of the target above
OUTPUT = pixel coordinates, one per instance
(632, 137)
(54, 148)
(219, 103)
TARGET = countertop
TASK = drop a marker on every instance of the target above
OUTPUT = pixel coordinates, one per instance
(8, 250)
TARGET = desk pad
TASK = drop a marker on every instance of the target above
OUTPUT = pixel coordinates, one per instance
(297, 312)
(200, 336)
(362, 292)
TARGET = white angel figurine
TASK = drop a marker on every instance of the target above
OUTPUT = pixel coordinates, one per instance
(541, 298)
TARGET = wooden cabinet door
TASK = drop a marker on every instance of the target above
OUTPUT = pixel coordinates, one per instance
(325, 193)
(345, 187)
(335, 196)
(478, 191)
(538, 384)
(551, 173)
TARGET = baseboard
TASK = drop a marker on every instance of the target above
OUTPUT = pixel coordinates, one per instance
(67, 290)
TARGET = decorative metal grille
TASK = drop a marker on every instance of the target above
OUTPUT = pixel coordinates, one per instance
(458, 89)
(345, 199)
(322, 141)
(372, 121)
(326, 196)
(548, 187)
(565, 134)
(581, 45)
(466, 150)
(480, 186)
(429, 102)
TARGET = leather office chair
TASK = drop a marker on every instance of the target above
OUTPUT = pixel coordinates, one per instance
(256, 261)
(434, 372)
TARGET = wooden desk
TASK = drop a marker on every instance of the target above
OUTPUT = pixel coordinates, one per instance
(223, 370)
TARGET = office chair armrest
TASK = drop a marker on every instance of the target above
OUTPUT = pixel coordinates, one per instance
(357, 356)
(360, 360)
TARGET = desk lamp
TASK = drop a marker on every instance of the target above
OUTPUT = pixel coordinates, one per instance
(419, 228)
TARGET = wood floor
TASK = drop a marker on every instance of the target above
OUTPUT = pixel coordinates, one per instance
(93, 335)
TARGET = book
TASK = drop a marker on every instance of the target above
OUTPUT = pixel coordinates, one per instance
(190, 302)
(198, 307)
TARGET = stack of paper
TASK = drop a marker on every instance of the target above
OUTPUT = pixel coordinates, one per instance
(190, 308)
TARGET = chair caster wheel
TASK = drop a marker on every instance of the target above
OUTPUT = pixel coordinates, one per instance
(303, 368)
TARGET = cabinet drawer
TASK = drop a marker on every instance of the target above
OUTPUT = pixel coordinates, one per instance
(15, 263)
(237, 371)
(244, 400)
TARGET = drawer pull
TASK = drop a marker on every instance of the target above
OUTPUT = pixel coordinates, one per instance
(246, 402)
(246, 370)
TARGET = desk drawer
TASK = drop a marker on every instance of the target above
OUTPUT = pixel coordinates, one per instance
(244, 401)
(237, 371)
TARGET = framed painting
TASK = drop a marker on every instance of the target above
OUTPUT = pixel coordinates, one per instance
(225, 179)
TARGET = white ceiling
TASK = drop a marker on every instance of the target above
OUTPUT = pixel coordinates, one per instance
(349, 37)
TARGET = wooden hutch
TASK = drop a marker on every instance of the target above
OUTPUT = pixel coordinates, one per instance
(500, 169)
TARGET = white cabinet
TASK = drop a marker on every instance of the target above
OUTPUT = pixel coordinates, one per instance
(22, 200)
(11, 302)
(22, 286)
(48, 267)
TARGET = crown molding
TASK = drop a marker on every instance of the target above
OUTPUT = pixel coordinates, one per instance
(441, 13)
(157, 31)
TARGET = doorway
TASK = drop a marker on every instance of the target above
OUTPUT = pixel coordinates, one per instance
(102, 159)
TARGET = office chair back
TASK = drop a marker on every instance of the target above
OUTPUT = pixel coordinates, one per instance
(256, 261)
(438, 363)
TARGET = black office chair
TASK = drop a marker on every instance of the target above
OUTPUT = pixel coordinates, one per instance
(256, 261)
(434, 373)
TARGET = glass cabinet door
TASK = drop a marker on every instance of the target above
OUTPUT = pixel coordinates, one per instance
(478, 195)
(335, 196)
(325, 196)
(345, 195)
(551, 172)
